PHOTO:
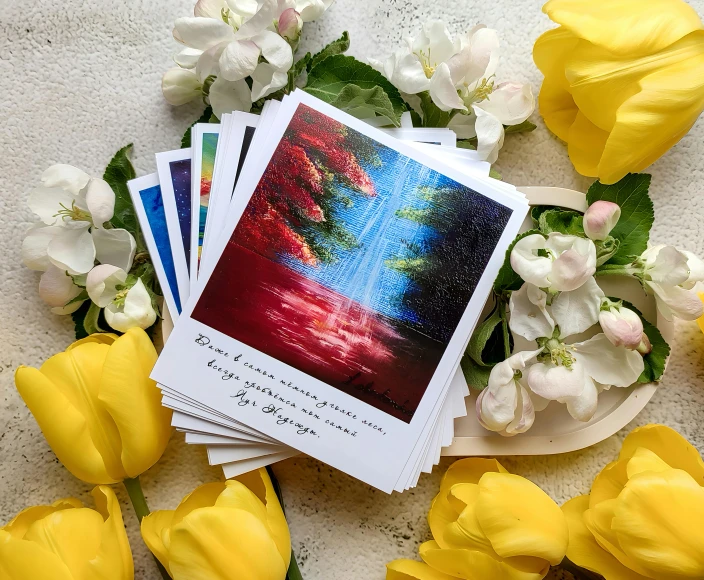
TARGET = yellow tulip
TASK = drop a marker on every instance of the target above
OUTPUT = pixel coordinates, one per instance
(700, 320)
(488, 523)
(232, 530)
(97, 407)
(624, 80)
(66, 541)
(643, 517)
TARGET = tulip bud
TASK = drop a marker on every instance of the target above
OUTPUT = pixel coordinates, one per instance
(68, 541)
(290, 24)
(97, 407)
(622, 326)
(600, 219)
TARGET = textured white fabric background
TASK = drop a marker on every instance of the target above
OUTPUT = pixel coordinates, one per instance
(81, 79)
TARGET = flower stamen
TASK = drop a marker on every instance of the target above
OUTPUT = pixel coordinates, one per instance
(73, 213)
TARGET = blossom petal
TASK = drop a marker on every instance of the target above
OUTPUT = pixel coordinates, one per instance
(35, 244)
(209, 8)
(274, 49)
(525, 260)
(471, 63)
(511, 103)
(267, 11)
(46, 202)
(490, 135)
(209, 62)
(202, 33)
(443, 91)
(463, 125)
(575, 264)
(115, 247)
(435, 40)
(136, 312)
(100, 199)
(608, 364)
(180, 86)
(529, 316)
(56, 288)
(670, 267)
(226, 96)
(312, 9)
(265, 80)
(583, 548)
(583, 407)
(578, 310)
(66, 177)
(675, 301)
(102, 282)
(188, 57)
(554, 382)
(520, 519)
(72, 250)
(238, 60)
(406, 72)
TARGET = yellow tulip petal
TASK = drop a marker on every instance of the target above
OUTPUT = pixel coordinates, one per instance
(609, 482)
(18, 526)
(584, 550)
(626, 26)
(22, 560)
(221, 544)
(557, 106)
(202, 496)
(667, 444)
(259, 483)
(99, 338)
(466, 532)
(644, 460)
(520, 519)
(652, 121)
(73, 535)
(700, 320)
(413, 570)
(237, 495)
(114, 558)
(134, 401)
(468, 470)
(586, 144)
(658, 522)
(474, 565)
(152, 529)
(64, 426)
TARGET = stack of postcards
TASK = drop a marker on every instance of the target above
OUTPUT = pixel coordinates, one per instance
(324, 275)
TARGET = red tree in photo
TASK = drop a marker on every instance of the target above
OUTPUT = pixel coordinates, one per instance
(290, 212)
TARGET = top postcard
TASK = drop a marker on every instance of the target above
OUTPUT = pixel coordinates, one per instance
(355, 271)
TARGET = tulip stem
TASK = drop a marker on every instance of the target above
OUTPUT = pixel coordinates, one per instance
(578, 572)
(141, 509)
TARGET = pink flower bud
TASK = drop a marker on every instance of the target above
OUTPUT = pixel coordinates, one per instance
(600, 219)
(290, 24)
(622, 327)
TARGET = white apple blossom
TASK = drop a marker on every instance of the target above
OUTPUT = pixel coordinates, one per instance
(505, 405)
(600, 218)
(59, 291)
(621, 325)
(568, 371)
(127, 304)
(459, 76)
(671, 275)
(73, 208)
(559, 263)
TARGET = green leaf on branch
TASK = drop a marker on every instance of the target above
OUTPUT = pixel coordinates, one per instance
(467, 144)
(335, 47)
(561, 221)
(78, 317)
(508, 280)
(637, 214)
(494, 174)
(486, 345)
(477, 376)
(91, 320)
(328, 79)
(375, 99)
(298, 68)
(82, 297)
(655, 360)
(525, 127)
(206, 117)
(118, 172)
(433, 116)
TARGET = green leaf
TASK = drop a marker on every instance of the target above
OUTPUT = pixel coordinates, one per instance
(508, 280)
(467, 144)
(655, 360)
(416, 119)
(297, 70)
(605, 249)
(206, 117)
(83, 296)
(486, 347)
(494, 174)
(637, 214)
(477, 377)
(335, 47)
(432, 115)
(375, 99)
(562, 221)
(328, 78)
(118, 172)
(525, 127)
(78, 317)
(90, 322)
